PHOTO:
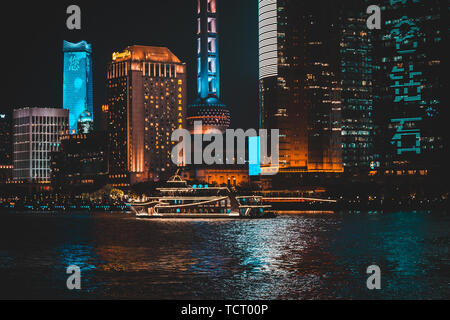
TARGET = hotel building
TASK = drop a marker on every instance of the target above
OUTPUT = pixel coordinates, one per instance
(36, 134)
(146, 102)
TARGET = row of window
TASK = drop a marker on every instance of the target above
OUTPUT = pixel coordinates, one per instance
(160, 70)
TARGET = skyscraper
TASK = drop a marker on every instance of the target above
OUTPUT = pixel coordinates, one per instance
(5, 147)
(409, 84)
(299, 87)
(207, 108)
(37, 133)
(78, 86)
(146, 93)
(356, 80)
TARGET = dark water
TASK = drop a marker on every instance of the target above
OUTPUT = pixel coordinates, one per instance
(321, 256)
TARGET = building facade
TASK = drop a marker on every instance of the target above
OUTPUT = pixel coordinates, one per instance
(80, 163)
(233, 176)
(300, 92)
(409, 83)
(356, 80)
(36, 134)
(78, 86)
(207, 108)
(5, 147)
(146, 93)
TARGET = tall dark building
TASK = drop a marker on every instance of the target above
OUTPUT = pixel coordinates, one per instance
(410, 80)
(146, 92)
(5, 147)
(80, 163)
(207, 108)
(5, 139)
(356, 80)
(299, 87)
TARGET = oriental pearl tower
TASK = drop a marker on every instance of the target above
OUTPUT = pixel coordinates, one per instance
(207, 108)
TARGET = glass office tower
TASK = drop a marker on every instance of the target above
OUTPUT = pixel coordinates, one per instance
(37, 134)
(299, 87)
(356, 77)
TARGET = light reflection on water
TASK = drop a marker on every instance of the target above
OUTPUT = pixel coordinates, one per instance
(318, 256)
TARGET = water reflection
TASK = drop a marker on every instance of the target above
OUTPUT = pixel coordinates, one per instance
(318, 256)
(82, 256)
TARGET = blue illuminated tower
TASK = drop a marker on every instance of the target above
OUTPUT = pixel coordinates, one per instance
(77, 86)
(208, 108)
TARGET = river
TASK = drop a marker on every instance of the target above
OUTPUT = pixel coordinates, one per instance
(309, 256)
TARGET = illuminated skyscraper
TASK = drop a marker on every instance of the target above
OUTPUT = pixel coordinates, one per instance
(208, 108)
(299, 87)
(78, 86)
(410, 84)
(146, 92)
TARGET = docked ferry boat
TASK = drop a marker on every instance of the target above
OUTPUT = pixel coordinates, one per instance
(180, 200)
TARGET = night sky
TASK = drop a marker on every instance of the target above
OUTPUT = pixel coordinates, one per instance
(32, 59)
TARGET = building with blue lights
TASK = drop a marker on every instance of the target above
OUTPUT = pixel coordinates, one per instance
(78, 86)
(410, 86)
(207, 108)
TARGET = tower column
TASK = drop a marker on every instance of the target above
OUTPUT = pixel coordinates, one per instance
(207, 108)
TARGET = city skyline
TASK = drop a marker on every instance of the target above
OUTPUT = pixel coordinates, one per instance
(110, 30)
(306, 85)
(293, 150)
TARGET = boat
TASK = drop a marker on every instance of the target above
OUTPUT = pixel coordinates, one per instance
(178, 199)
